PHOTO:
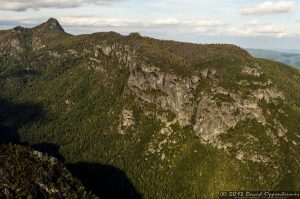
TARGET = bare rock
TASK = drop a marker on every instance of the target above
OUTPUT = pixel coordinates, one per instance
(127, 120)
(255, 71)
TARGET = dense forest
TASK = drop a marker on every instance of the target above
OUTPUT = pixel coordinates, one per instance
(107, 106)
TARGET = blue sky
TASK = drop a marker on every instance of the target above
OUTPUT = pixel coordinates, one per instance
(253, 24)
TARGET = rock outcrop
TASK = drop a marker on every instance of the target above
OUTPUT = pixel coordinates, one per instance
(167, 91)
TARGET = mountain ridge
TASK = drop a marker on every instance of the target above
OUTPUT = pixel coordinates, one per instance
(184, 117)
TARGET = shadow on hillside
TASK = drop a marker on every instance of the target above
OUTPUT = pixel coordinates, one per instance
(14, 116)
(19, 73)
(105, 181)
(49, 149)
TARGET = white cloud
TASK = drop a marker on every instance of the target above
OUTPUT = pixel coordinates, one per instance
(208, 25)
(252, 23)
(251, 29)
(268, 8)
(93, 21)
(115, 22)
(23, 5)
(236, 31)
(169, 21)
(264, 30)
(270, 30)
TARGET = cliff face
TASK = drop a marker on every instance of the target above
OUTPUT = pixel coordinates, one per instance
(202, 114)
(210, 112)
(164, 90)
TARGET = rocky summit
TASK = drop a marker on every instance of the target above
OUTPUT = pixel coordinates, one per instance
(136, 117)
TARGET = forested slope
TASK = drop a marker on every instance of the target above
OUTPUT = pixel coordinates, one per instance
(138, 117)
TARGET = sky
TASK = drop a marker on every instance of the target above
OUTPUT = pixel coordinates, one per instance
(271, 24)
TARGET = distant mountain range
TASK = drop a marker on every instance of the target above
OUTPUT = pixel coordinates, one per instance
(288, 51)
(290, 57)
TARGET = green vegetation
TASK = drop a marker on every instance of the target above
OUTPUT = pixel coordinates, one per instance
(55, 89)
(220, 98)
